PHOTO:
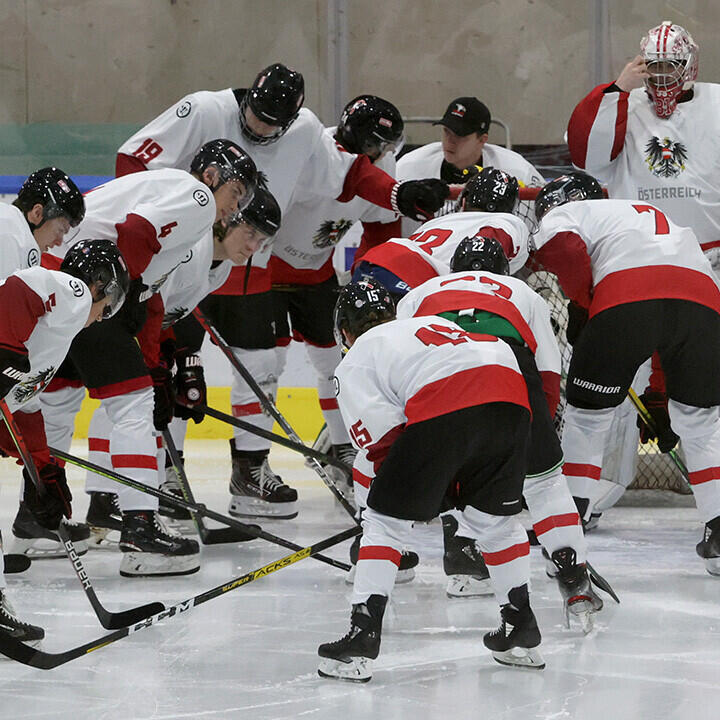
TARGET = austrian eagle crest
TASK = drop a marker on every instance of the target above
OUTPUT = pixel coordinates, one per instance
(665, 158)
(32, 385)
(330, 233)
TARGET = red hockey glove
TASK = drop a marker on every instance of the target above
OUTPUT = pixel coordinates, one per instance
(420, 199)
(656, 404)
(190, 387)
(49, 506)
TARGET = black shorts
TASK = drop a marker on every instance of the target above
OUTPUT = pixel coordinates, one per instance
(310, 311)
(244, 321)
(617, 341)
(475, 455)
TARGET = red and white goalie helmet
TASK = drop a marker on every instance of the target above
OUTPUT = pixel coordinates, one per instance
(671, 56)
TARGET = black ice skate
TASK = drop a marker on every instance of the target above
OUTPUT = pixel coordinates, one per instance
(177, 518)
(579, 598)
(463, 563)
(516, 641)
(35, 541)
(709, 547)
(149, 550)
(406, 569)
(11, 625)
(105, 521)
(350, 657)
(256, 491)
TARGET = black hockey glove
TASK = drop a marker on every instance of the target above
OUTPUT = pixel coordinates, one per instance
(420, 199)
(12, 367)
(190, 387)
(577, 319)
(657, 405)
(49, 505)
(164, 389)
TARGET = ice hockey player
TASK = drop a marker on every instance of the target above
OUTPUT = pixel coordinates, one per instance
(635, 275)
(438, 411)
(480, 297)
(155, 219)
(290, 145)
(48, 309)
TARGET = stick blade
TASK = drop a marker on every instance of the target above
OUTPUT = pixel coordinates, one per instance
(219, 536)
(16, 563)
(115, 621)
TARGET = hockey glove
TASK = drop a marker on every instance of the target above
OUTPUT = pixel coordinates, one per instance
(13, 365)
(190, 387)
(577, 319)
(657, 405)
(53, 501)
(164, 390)
(420, 199)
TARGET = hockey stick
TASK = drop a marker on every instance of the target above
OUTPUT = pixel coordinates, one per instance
(198, 508)
(109, 620)
(14, 649)
(15, 563)
(648, 420)
(208, 536)
(269, 406)
(274, 437)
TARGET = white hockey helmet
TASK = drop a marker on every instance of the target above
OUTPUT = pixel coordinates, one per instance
(671, 56)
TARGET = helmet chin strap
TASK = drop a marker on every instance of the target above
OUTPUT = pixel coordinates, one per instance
(248, 266)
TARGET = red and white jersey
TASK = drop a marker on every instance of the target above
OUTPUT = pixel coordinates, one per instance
(154, 218)
(407, 260)
(426, 161)
(609, 252)
(43, 311)
(313, 224)
(408, 371)
(508, 297)
(19, 249)
(671, 163)
(195, 278)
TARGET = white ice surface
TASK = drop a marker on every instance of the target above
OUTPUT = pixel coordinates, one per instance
(252, 653)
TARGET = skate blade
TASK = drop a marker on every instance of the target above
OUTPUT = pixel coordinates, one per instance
(44, 548)
(402, 576)
(712, 565)
(358, 670)
(520, 657)
(583, 611)
(468, 586)
(247, 507)
(140, 564)
(103, 538)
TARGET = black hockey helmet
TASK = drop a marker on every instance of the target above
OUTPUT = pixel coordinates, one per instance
(232, 162)
(489, 190)
(480, 253)
(361, 305)
(263, 213)
(56, 192)
(275, 97)
(99, 262)
(369, 126)
(567, 188)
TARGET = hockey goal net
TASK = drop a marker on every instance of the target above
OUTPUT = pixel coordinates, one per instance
(651, 469)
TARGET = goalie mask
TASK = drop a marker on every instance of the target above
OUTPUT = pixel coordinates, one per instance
(489, 190)
(671, 57)
(567, 188)
(480, 253)
(361, 306)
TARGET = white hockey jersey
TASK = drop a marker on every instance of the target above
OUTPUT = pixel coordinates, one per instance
(426, 161)
(609, 252)
(407, 260)
(502, 295)
(669, 162)
(43, 311)
(166, 212)
(408, 371)
(19, 249)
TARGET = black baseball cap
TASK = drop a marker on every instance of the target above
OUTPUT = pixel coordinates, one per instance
(466, 115)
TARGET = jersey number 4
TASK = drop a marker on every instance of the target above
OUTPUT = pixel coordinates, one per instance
(662, 227)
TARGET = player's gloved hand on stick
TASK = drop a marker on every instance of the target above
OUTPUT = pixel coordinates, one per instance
(420, 199)
(164, 390)
(12, 367)
(190, 387)
(577, 319)
(657, 405)
(53, 501)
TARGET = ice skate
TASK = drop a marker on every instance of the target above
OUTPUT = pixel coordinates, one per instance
(346, 453)
(350, 657)
(467, 573)
(516, 641)
(405, 572)
(11, 625)
(149, 550)
(104, 520)
(709, 547)
(579, 599)
(257, 491)
(37, 542)
(176, 517)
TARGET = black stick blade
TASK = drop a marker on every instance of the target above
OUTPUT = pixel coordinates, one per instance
(219, 536)
(16, 563)
(115, 621)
